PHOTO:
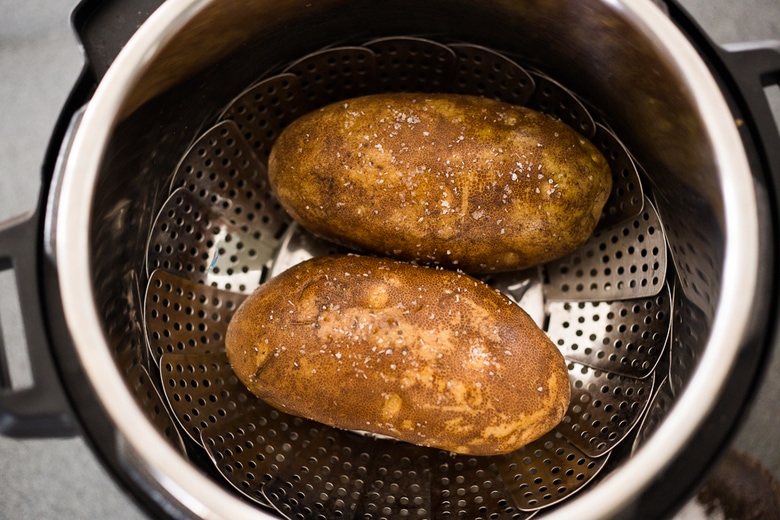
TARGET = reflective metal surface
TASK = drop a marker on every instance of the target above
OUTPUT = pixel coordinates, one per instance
(188, 306)
(79, 197)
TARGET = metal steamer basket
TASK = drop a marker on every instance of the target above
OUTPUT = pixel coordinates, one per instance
(160, 216)
(220, 234)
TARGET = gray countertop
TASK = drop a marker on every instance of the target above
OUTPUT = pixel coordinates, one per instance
(39, 62)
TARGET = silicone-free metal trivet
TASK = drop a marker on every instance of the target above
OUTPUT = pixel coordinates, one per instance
(325, 480)
(619, 262)
(222, 170)
(250, 449)
(125, 325)
(409, 64)
(546, 471)
(471, 487)
(484, 72)
(203, 390)
(335, 74)
(306, 469)
(398, 484)
(696, 257)
(182, 316)
(659, 407)
(688, 322)
(604, 408)
(197, 242)
(147, 395)
(627, 199)
(554, 99)
(624, 337)
(265, 109)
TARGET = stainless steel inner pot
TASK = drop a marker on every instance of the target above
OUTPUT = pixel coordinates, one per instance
(627, 62)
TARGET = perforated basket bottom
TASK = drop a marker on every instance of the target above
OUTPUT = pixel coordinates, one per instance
(607, 306)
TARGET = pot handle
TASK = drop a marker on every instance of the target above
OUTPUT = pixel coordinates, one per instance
(41, 409)
(755, 66)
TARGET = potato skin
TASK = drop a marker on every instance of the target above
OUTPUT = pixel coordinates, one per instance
(428, 356)
(442, 179)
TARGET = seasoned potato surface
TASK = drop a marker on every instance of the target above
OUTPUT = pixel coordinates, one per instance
(428, 356)
(442, 179)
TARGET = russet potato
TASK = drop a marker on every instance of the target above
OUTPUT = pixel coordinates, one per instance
(429, 356)
(450, 180)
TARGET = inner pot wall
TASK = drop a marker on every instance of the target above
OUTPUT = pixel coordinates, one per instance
(192, 58)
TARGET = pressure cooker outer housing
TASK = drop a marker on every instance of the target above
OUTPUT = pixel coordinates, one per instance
(191, 58)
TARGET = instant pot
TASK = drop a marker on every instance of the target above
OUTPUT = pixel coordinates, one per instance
(155, 220)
